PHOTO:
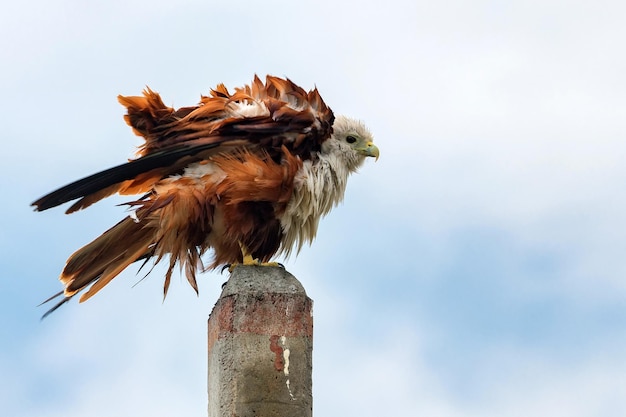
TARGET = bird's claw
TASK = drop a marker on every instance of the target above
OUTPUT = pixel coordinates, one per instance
(250, 262)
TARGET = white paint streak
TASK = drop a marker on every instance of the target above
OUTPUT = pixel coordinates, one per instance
(286, 351)
(283, 339)
(289, 389)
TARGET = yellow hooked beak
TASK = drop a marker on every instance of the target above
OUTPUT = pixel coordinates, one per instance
(369, 150)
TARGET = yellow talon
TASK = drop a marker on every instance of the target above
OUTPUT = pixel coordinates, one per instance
(248, 260)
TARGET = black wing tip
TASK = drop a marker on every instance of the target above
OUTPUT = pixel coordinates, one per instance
(57, 197)
(38, 206)
(46, 202)
(117, 174)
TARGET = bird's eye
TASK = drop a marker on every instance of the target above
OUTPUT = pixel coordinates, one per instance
(350, 139)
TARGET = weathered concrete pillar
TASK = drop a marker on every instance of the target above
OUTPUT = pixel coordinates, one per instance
(260, 346)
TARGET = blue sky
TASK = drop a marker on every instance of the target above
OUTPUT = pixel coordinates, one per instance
(477, 269)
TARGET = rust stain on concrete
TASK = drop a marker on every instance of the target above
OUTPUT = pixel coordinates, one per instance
(279, 364)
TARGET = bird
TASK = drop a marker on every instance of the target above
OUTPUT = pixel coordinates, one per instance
(245, 175)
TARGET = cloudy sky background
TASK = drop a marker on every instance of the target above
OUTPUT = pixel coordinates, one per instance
(478, 269)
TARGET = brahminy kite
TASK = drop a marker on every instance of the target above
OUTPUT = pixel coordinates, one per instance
(247, 175)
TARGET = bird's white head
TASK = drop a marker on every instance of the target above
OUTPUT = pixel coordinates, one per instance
(351, 141)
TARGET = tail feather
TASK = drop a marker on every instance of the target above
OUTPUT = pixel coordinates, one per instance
(113, 270)
(98, 262)
(56, 306)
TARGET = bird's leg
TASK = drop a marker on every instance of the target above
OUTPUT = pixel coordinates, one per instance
(247, 257)
(249, 260)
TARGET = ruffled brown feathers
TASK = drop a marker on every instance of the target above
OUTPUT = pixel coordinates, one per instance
(257, 112)
(213, 176)
(257, 116)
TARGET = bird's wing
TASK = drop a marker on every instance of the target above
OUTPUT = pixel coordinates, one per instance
(260, 117)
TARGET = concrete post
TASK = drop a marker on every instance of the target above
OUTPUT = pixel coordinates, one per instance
(260, 346)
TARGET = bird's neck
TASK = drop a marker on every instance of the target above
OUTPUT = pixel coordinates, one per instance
(318, 187)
